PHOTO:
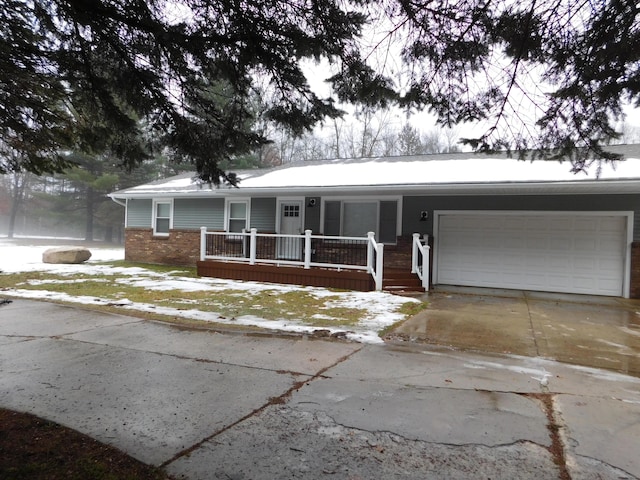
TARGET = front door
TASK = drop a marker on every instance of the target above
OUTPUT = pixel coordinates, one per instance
(290, 224)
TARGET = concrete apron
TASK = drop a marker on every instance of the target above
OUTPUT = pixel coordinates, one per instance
(599, 332)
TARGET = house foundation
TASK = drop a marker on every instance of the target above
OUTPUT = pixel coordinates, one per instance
(180, 247)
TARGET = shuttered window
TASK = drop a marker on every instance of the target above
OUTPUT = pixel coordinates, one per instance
(355, 218)
(359, 218)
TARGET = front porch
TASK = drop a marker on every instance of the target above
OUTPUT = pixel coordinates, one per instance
(354, 263)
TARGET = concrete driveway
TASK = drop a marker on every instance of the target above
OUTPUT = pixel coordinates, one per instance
(600, 332)
(205, 405)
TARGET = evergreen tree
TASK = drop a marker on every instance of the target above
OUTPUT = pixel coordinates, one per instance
(550, 74)
(90, 181)
(409, 142)
(139, 59)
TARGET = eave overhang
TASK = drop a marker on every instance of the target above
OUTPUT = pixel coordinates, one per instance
(608, 187)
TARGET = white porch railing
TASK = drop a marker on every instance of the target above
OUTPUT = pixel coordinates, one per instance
(308, 250)
(375, 260)
(420, 259)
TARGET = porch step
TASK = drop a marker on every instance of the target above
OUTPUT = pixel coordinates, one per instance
(401, 281)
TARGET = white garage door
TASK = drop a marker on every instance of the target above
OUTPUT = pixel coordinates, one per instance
(552, 253)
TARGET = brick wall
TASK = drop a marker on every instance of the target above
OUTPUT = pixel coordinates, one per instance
(399, 255)
(181, 247)
(634, 291)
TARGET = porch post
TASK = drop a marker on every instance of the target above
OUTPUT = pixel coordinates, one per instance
(203, 243)
(307, 249)
(370, 243)
(252, 246)
(425, 268)
(414, 253)
(426, 264)
(379, 266)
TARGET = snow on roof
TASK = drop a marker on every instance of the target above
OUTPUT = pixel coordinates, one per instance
(472, 170)
(421, 170)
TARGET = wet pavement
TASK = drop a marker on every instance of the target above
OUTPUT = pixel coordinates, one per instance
(207, 405)
(599, 332)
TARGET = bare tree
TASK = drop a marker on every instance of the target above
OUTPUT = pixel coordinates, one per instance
(629, 133)
(367, 135)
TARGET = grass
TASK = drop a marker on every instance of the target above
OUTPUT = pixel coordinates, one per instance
(297, 306)
(408, 310)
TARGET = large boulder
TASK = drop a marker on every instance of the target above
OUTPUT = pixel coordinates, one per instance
(66, 255)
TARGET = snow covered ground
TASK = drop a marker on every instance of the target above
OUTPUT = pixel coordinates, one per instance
(381, 308)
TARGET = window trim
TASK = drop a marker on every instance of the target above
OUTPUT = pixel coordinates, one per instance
(227, 212)
(156, 202)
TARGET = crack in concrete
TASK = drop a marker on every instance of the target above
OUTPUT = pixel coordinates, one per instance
(404, 438)
(281, 399)
(556, 429)
(183, 357)
(95, 327)
(533, 332)
(22, 338)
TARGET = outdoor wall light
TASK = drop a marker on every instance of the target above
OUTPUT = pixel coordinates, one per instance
(312, 202)
(424, 215)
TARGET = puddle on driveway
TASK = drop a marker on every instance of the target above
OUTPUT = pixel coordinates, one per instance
(591, 334)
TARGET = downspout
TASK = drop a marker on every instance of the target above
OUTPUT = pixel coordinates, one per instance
(122, 204)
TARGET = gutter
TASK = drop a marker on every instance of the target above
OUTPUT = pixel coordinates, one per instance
(504, 188)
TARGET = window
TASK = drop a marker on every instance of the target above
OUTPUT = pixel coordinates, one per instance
(359, 218)
(291, 211)
(237, 215)
(161, 218)
(355, 218)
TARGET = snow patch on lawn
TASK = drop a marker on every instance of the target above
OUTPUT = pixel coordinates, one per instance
(380, 308)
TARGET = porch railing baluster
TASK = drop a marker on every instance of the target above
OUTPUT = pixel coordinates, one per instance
(305, 250)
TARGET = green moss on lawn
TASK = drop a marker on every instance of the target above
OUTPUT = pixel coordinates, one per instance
(299, 306)
(410, 309)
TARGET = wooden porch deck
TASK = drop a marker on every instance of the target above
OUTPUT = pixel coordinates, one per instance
(313, 277)
(395, 279)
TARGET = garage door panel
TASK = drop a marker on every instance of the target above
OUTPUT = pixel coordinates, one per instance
(586, 225)
(563, 253)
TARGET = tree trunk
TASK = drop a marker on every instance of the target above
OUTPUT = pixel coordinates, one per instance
(12, 219)
(18, 189)
(88, 236)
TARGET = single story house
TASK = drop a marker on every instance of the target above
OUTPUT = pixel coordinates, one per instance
(489, 221)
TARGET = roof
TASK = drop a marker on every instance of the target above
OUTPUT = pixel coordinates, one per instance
(462, 173)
